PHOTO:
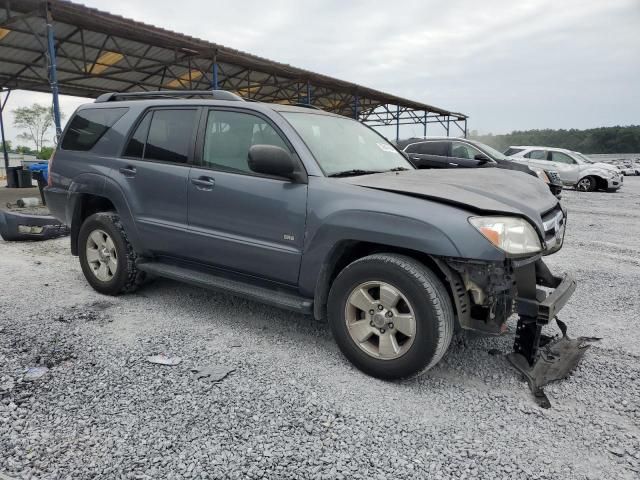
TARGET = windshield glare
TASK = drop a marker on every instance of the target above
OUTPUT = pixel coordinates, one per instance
(340, 144)
(492, 152)
(581, 157)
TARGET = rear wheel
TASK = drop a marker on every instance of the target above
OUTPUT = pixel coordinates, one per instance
(390, 315)
(586, 184)
(106, 256)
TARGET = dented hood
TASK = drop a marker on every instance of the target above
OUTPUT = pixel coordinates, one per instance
(484, 190)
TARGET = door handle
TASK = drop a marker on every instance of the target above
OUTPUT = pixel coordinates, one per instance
(203, 183)
(415, 157)
(128, 171)
(453, 164)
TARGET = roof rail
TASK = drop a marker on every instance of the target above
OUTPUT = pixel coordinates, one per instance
(305, 105)
(168, 94)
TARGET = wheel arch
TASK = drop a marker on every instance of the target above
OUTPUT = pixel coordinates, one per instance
(348, 251)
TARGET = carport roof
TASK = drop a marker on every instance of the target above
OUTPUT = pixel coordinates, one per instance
(99, 52)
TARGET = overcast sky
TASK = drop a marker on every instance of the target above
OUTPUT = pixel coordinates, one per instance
(509, 65)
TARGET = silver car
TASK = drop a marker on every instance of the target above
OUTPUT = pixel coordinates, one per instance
(575, 169)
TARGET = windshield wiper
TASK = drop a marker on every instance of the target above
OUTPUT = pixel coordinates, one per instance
(398, 169)
(353, 173)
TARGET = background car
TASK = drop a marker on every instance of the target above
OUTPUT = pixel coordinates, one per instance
(626, 167)
(446, 152)
(575, 169)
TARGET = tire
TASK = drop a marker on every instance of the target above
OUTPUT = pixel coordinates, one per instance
(116, 253)
(420, 291)
(586, 184)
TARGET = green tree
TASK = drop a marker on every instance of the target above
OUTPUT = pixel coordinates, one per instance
(36, 122)
(8, 143)
(24, 150)
(44, 153)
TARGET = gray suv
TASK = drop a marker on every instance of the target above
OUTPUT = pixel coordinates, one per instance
(308, 211)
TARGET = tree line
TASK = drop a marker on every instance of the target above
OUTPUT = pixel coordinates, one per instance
(619, 139)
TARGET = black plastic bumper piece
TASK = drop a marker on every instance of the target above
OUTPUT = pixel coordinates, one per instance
(21, 227)
(545, 310)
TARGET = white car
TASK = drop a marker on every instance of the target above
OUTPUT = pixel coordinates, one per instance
(575, 169)
(626, 168)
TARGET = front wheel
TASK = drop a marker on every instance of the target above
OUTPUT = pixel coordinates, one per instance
(586, 184)
(390, 315)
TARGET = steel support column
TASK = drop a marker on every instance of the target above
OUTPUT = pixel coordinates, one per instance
(397, 123)
(356, 102)
(448, 123)
(215, 72)
(308, 93)
(53, 73)
(425, 124)
(465, 128)
(4, 141)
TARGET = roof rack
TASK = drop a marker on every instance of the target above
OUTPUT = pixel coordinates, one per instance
(305, 105)
(209, 94)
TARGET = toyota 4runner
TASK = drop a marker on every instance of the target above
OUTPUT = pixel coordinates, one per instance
(312, 212)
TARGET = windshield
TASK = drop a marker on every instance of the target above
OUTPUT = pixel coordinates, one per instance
(581, 158)
(492, 152)
(343, 145)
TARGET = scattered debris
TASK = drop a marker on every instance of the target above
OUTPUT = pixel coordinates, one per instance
(20, 227)
(212, 374)
(29, 202)
(35, 373)
(163, 359)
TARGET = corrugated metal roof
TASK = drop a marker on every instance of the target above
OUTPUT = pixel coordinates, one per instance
(145, 57)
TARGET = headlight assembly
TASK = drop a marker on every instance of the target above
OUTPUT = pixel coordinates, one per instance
(542, 175)
(510, 234)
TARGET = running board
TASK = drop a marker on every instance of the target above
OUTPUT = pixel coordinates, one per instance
(270, 296)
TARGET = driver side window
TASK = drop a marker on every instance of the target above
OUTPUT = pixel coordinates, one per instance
(562, 158)
(230, 135)
(462, 150)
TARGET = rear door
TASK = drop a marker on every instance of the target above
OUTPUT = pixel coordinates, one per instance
(240, 220)
(153, 172)
(538, 158)
(431, 154)
(567, 167)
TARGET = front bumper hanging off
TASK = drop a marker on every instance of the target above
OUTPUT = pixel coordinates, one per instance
(540, 358)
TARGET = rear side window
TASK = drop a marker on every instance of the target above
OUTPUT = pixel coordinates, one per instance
(562, 158)
(537, 154)
(429, 148)
(88, 126)
(163, 135)
(512, 151)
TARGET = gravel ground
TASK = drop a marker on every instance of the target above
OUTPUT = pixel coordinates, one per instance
(293, 407)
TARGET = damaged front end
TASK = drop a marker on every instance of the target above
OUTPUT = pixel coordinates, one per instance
(488, 293)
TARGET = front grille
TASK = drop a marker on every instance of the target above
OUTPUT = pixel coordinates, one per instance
(554, 223)
(554, 177)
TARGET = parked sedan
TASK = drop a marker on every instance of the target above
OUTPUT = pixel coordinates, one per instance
(446, 152)
(626, 168)
(575, 169)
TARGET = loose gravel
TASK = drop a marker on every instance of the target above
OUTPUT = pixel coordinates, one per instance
(283, 403)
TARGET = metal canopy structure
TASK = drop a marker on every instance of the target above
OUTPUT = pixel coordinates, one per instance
(63, 47)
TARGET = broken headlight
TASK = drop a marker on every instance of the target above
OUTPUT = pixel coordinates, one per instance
(511, 234)
(542, 175)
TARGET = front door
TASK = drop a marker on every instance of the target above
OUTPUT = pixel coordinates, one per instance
(241, 220)
(567, 167)
(153, 172)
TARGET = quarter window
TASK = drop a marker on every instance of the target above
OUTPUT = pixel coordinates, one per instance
(135, 147)
(88, 126)
(230, 135)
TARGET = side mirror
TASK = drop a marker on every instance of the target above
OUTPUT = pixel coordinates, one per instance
(482, 158)
(272, 160)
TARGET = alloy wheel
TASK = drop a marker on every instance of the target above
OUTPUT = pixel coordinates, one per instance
(380, 320)
(101, 255)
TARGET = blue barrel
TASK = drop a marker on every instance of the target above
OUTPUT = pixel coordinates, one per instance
(41, 167)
